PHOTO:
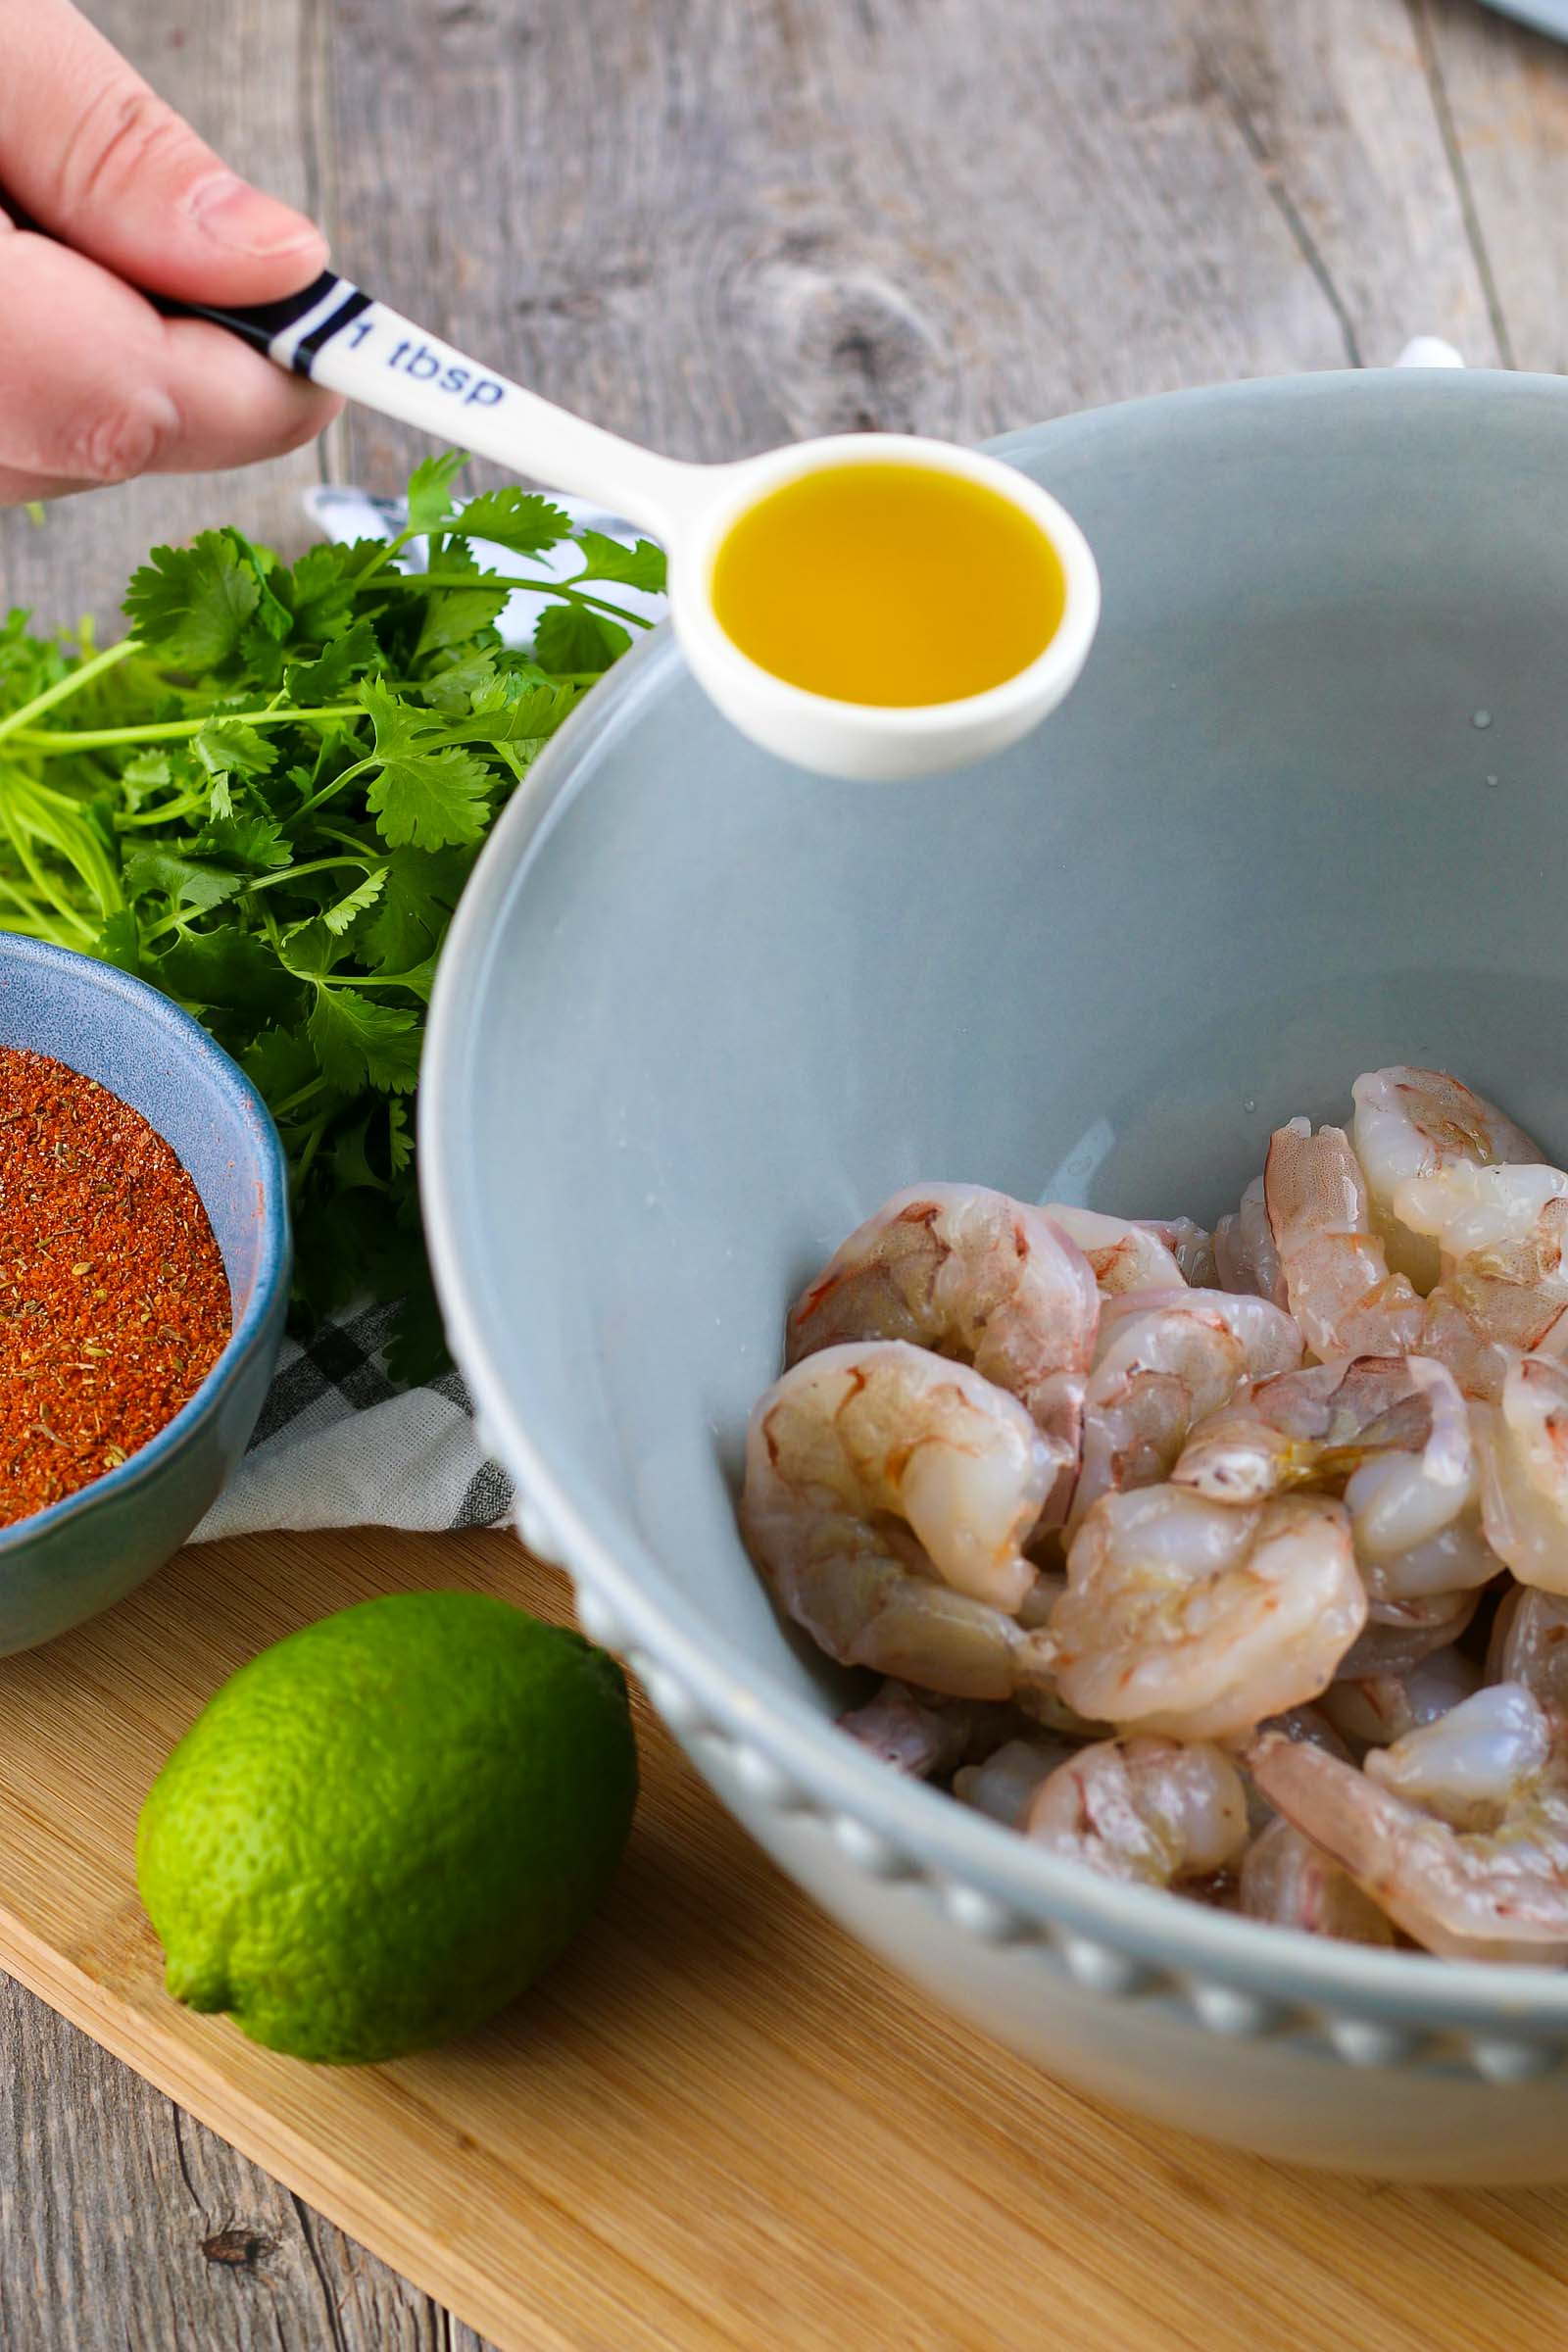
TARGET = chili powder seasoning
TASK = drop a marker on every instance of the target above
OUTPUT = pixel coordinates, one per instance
(114, 1303)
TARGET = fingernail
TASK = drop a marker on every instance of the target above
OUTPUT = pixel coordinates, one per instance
(239, 217)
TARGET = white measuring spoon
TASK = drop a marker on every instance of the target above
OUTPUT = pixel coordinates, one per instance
(339, 337)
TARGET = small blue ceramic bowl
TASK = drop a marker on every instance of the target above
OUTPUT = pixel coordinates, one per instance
(64, 1564)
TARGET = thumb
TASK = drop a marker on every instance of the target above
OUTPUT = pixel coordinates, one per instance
(96, 156)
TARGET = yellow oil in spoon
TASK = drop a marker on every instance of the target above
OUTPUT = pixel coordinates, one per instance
(890, 584)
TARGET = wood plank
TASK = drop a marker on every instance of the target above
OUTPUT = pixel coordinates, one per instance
(718, 226)
(1506, 91)
(722, 2125)
(246, 76)
(137, 2225)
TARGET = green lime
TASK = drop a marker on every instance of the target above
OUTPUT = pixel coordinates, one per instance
(384, 1827)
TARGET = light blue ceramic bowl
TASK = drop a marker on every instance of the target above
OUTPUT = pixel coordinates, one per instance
(1306, 812)
(64, 1564)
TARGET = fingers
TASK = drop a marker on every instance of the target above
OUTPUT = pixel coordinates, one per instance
(96, 156)
(98, 387)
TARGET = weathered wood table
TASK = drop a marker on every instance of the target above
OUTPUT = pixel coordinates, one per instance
(714, 225)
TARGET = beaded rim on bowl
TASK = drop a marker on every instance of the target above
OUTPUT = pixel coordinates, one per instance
(1238, 1977)
(229, 1084)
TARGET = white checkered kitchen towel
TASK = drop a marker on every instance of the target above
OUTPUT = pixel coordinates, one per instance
(339, 1443)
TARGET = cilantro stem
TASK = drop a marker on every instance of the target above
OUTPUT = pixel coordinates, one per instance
(312, 1144)
(301, 1094)
(72, 683)
(88, 739)
(541, 587)
(291, 874)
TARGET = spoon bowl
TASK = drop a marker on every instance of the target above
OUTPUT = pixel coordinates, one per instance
(337, 336)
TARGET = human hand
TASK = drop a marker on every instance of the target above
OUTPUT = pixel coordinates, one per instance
(95, 386)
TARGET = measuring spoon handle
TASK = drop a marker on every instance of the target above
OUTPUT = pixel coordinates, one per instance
(341, 337)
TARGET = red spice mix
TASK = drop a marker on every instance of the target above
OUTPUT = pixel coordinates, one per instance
(114, 1303)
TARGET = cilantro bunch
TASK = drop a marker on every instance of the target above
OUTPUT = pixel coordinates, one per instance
(265, 801)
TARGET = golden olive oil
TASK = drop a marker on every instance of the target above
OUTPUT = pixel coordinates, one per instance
(889, 584)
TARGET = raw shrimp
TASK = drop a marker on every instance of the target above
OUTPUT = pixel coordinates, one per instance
(1466, 1764)
(1492, 1884)
(1164, 1359)
(887, 1498)
(1530, 1643)
(1381, 1709)
(967, 1273)
(1124, 1254)
(1400, 1634)
(1245, 1256)
(1392, 1433)
(1191, 1247)
(1288, 1879)
(1413, 1123)
(1002, 1785)
(1396, 1423)
(920, 1734)
(1150, 1811)
(1523, 1443)
(1201, 1618)
(1336, 1276)
(1504, 1294)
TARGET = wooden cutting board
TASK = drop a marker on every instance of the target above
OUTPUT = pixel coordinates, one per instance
(718, 2123)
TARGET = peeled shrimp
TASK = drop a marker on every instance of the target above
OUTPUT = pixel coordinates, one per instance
(1150, 1811)
(1400, 1634)
(1522, 1442)
(1530, 1643)
(1503, 1295)
(1392, 1433)
(1423, 1124)
(1191, 1247)
(1163, 1360)
(1288, 1879)
(1467, 1763)
(887, 1498)
(920, 1734)
(1123, 1253)
(1004, 1782)
(1383, 1707)
(1200, 1618)
(1492, 1885)
(1336, 1275)
(1245, 1256)
(972, 1275)
(1395, 1424)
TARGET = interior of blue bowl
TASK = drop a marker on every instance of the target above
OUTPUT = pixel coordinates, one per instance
(1305, 813)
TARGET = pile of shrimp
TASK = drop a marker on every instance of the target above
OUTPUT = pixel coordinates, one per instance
(1235, 1565)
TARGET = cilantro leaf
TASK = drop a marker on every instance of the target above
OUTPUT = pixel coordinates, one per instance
(519, 519)
(324, 680)
(190, 605)
(639, 566)
(399, 1142)
(229, 968)
(320, 588)
(228, 747)
(354, 902)
(570, 638)
(430, 491)
(431, 799)
(159, 872)
(455, 616)
(254, 843)
(416, 903)
(280, 1063)
(361, 1044)
(119, 943)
